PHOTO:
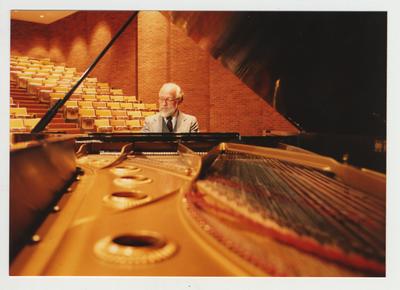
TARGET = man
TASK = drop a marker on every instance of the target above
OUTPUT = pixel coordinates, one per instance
(170, 119)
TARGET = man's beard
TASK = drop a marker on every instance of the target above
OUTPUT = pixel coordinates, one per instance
(167, 112)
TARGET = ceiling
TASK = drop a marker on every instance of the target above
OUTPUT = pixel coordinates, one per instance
(40, 16)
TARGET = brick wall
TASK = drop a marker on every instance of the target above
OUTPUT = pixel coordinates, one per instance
(235, 107)
(29, 39)
(152, 55)
(152, 51)
(189, 67)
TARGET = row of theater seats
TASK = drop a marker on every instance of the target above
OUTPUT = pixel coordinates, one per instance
(23, 124)
(20, 112)
(117, 125)
(20, 119)
(94, 105)
(88, 117)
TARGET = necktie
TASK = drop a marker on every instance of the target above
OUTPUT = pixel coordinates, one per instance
(169, 123)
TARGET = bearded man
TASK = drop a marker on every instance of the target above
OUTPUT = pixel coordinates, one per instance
(170, 119)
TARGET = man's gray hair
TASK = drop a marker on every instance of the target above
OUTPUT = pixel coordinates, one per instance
(178, 91)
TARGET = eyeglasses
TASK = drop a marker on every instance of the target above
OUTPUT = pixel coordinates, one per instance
(168, 100)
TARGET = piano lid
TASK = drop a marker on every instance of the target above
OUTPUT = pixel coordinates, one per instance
(326, 71)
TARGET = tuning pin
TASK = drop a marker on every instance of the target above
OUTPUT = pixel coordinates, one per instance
(35, 238)
(345, 158)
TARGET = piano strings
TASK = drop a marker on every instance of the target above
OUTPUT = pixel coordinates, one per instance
(307, 201)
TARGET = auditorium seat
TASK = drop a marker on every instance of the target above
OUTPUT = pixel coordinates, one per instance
(33, 84)
(22, 57)
(87, 117)
(68, 75)
(134, 125)
(116, 98)
(47, 63)
(61, 89)
(48, 67)
(71, 110)
(70, 69)
(130, 99)
(85, 104)
(150, 106)
(14, 74)
(116, 92)
(16, 67)
(53, 97)
(119, 114)
(53, 78)
(103, 88)
(59, 68)
(119, 125)
(126, 106)
(50, 81)
(56, 95)
(71, 103)
(78, 91)
(90, 86)
(86, 97)
(24, 63)
(90, 80)
(102, 125)
(58, 72)
(22, 77)
(20, 112)
(104, 98)
(33, 68)
(146, 114)
(42, 74)
(102, 91)
(44, 95)
(89, 91)
(17, 125)
(134, 114)
(138, 106)
(23, 81)
(30, 123)
(103, 85)
(76, 96)
(99, 105)
(64, 83)
(87, 113)
(101, 113)
(113, 105)
(47, 85)
(57, 76)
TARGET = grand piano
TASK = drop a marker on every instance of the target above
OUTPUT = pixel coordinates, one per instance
(207, 204)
